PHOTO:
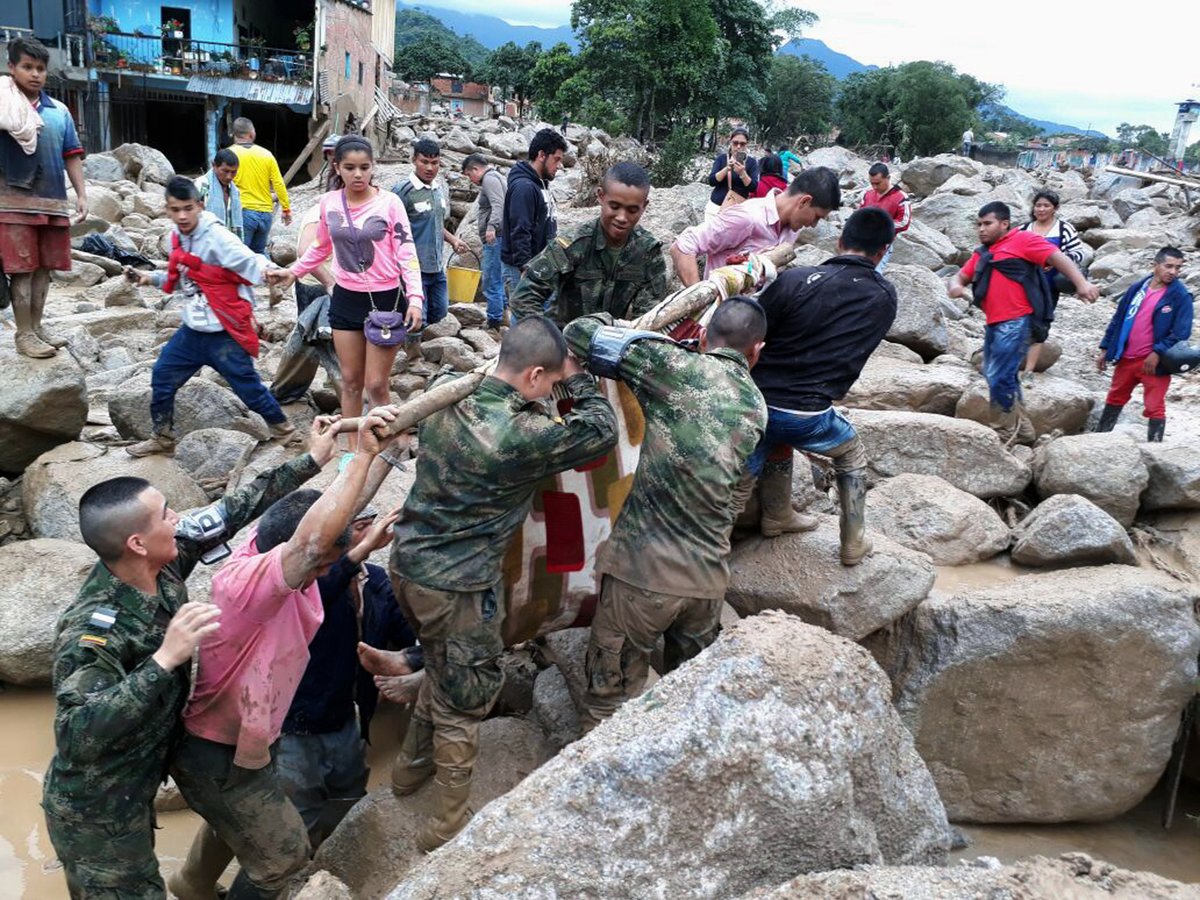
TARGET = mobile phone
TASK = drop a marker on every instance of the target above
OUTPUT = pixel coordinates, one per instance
(741, 156)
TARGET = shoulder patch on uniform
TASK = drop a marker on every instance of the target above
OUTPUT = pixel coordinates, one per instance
(563, 242)
(92, 640)
(103, 618)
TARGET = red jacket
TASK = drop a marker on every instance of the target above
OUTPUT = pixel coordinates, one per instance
(219, 287)
(768, 183)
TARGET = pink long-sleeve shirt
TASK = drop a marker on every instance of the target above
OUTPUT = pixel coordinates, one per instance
(745, 228)
(386, 241)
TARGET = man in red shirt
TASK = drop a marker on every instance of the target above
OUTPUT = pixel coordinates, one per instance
(891, 200)
(1006, 283)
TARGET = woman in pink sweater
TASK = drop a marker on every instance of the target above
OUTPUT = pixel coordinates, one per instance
(375, 266)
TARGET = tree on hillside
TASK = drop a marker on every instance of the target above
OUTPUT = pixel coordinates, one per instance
(416, 27)
(1142, 137)
(510, 68)
(420, 62)
(797, 99)
(557, 85)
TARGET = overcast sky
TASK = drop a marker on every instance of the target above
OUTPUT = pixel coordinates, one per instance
(1067, 62)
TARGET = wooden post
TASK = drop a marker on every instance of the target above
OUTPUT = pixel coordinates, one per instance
(312, 145)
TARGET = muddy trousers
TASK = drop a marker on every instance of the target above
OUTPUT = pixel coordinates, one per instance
(108, 861)
(249, 811)
(461, 634)
(298, 368)
(628, 623)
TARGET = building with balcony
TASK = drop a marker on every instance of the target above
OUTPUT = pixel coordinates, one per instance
(461, 97)
(175, 76)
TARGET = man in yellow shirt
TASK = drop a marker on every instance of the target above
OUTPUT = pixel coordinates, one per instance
(257, 176)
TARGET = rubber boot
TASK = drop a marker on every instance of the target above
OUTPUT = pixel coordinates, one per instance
(775, 497)
(414, 763)
(451, 813)
(206, 862)
(852, 495)
(1155, 429)
(1108, 418)
(27, 342)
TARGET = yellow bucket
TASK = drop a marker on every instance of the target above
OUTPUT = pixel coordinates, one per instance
(463, 283)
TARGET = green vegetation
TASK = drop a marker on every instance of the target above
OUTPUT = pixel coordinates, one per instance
(797, 99)
(425, 47)
(1142, 137)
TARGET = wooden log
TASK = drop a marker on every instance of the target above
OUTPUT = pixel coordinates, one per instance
(313, 143)
(1179, 179)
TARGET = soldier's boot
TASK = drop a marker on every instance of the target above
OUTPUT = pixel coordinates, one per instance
(414, 763)
(451, 814)
(1108, 418)
(160, 443)
(206, 861)
(852, 495)
(775, 497)
(27, 341)
(1025, 432)
(1155, 428)
(285, 432)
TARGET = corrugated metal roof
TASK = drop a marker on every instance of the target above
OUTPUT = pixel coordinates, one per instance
(246, 89)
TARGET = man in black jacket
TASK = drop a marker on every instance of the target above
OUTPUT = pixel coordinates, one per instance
(823, 322)
(530, 222)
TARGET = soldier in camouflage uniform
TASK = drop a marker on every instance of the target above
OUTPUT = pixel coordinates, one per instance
(611, 265)
(479, 465)
(120, 673)
(664, 569)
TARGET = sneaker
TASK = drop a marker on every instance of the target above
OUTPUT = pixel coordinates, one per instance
(160, 443)
(1027, 380)
(284, 432)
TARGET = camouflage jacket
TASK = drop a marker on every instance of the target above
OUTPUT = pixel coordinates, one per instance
(704, 417)
(586, 280)
(479, 464)
(117, 711)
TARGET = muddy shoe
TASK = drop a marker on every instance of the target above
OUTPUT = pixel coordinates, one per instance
(284, 432)
(29, 344)
(160, 443)
(56, 342)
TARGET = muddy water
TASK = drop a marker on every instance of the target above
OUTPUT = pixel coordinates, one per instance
(28, 870)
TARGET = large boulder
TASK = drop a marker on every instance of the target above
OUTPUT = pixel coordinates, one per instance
(923, 176)
(1069, 530)
(1174, 476)
(968, 455)
(1052, 404)
(144, 163)
(55, 481)
(927, 514)
(802, 574)
(953, 215)
(41, 579)
(1105, 468)
(199, 404)
(510, 145)
(554, 709)
(775, 752)
(1130, 201)
(921, 245)
(375, 844)
(887, 383)
(106, 204)
(458, 140)
(214, 453)
(43, 403)
(102, 167)
(1050, 698)
(920, 324)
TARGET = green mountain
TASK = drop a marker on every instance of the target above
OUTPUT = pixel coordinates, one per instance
(415, 27)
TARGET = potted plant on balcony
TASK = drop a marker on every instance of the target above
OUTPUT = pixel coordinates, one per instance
(303, 35)
(102, 25)
(172, 28)
(122, 60)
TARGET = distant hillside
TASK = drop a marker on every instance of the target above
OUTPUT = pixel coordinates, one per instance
(491, 31)
(839, 65)
(414, 26)
(1045, 125)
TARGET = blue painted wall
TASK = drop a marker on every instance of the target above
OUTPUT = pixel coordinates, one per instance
(212, 20)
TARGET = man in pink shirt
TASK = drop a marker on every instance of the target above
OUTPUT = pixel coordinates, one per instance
(756, 225)
(250, 669)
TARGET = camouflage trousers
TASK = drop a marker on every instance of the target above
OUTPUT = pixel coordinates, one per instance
(107, 861)
(625, 631)
(249, 811)
(461, 634)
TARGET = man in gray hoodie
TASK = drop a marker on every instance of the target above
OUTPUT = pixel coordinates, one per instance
(489, 218)
(213, 272)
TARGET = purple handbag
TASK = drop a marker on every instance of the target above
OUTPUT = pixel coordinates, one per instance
(383, 327)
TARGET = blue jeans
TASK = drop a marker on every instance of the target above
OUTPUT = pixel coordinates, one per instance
(437, 296)
(256, 226)
(1004, 347)
(887, 255)
(493, 282)
(323, 774)
(819, 433)
(185, 354)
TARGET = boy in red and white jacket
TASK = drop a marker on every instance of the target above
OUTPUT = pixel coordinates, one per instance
(891, 200)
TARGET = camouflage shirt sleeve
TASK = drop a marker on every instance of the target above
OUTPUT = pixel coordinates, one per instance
(588, 431)
(542, 278)
(655, 287)
(644, 364)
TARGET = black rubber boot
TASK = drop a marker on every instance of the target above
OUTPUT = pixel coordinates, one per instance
(1155, 429)
(1108, 419)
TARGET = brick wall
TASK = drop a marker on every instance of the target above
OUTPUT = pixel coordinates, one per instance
(346, 29)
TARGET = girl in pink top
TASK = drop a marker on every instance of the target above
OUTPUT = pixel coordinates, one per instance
(375, 265)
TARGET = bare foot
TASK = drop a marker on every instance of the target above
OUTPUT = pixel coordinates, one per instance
(400, 688)
(383, 662)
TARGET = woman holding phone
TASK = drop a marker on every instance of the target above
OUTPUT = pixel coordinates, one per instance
(734, 171)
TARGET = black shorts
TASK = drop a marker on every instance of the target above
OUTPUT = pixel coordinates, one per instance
(348, 309)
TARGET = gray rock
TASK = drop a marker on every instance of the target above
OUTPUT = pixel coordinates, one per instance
(554, 709)
(110, 267)
(448, 351)
(114, 292)
(447, 327)
(1069, 530)
(458, 140)
(43, 403)
(214, 453)
(891, 384)
(199, 404)
(966, 454)
(510, 145)
(144, 163)
(469, 315)
(691, 773)
(102, 167)
(920, 324)
(921, 245)
(1174, 476)
(323, 886)
(481, 342)
(924, 175)
(1129, 201)
(55, 481)
(1107, 185)
(1052, 404)
(41, 579)
(802, 575)
(81, 273)
(374, 845)
(1105, 468)
(1085, 215)
(927, 514)
(106, 204)
(1050, 698)
(150, 204)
